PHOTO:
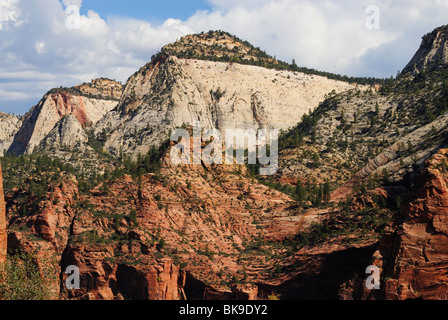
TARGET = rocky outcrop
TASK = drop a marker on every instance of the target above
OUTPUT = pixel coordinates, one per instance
(421, 262)
(81, 102)
(412, 256)
(170, 92)
(9, 126)
(3, 232)
(433, 52)
(101, 89)
(68, 133)
(193, 234)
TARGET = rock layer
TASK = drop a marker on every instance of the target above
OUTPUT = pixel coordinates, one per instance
(3, 232)
(81, 102)
(170, 92)
(432, 53)
(421, 264)
(9, 126)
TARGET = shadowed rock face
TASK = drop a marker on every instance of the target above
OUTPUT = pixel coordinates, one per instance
(9, 126)
(433, 52)
(413, 256)
(3, 234)
(420, 270)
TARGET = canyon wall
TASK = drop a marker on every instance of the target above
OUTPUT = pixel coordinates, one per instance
(3, 233)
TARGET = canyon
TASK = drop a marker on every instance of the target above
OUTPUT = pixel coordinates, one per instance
(362, 180)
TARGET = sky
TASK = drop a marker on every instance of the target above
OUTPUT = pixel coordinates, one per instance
(44, 44)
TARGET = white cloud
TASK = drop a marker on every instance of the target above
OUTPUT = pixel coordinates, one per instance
(40, 47)
(328, 35)
(9, 13)
(76, 3)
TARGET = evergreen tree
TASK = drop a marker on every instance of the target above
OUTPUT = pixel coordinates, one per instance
(327, 193)
(300, 192)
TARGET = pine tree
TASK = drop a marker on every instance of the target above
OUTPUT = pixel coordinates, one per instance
(327, 193)
(300, 192)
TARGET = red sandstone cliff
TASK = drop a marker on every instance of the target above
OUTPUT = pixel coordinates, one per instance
(88, 103)
(3, 233)
(194, 232)
(420, 267)
(413, 254)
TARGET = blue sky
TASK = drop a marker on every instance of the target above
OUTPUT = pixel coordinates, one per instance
(115, 38)
(153, 11)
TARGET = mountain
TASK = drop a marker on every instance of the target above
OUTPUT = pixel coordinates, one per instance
(88, 103)
(361, 181)
(357, 136)
(433, 52)
(3, 231)
(9, 127)
(182, 85)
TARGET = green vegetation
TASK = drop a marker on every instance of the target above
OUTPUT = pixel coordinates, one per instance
(21, 279)
(76, 91)
(149, 163)
(17, 169)
(307, 127)
(365, 224)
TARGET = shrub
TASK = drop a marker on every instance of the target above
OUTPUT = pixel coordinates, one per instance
(21, 278)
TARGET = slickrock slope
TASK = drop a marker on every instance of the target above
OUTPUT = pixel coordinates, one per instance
(88, 103)
(368, 137)
(67, 133)
(171, 91)
(9, 126)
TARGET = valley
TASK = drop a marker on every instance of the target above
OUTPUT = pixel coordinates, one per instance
(88, 181)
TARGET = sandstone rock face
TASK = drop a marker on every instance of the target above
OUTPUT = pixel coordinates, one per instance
(420, 266)
(9, 126)
(394, 155)
(67, 133)
(433, 52)
(3, 232)
(412, 255)
(80, 102)
(184, 236)
(170, 92)
(101, 88)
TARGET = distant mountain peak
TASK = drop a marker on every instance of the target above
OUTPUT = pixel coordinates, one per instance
(432, 54)
(101, 88)
(217, 46)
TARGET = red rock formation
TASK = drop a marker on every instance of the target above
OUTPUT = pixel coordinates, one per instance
(64, 106)
(413, 254)
(3, 233)
(184, 239)
(421, 263)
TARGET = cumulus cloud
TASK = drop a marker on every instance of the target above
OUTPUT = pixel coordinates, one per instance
(43, 44)
(38, 51)
(329, 35)
(9, 13)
